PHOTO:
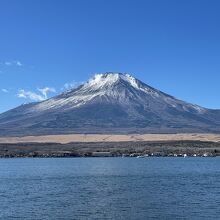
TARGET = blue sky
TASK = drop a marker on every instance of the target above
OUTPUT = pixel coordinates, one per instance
(171, 45)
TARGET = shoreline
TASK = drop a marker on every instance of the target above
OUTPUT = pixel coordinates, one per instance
(111, 149)
(68, 157)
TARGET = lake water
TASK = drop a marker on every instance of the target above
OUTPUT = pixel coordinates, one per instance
(110, 188)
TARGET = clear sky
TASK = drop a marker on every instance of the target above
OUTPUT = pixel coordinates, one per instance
(172, 45)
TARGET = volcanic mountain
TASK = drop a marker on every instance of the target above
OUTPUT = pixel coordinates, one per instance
(113, 103)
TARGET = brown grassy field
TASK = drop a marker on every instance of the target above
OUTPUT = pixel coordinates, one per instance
(63, 139)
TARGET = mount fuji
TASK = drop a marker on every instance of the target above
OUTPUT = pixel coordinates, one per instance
(111, 103)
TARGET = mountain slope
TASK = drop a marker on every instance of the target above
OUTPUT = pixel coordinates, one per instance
(109, 103)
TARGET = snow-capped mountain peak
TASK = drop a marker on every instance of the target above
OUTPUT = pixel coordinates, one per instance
(102, 80)
(110, 103)
(109, 79)
(120, 88)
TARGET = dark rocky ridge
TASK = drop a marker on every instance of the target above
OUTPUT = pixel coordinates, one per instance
(109, 103)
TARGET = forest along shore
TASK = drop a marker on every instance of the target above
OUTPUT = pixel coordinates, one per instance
(112, 149)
